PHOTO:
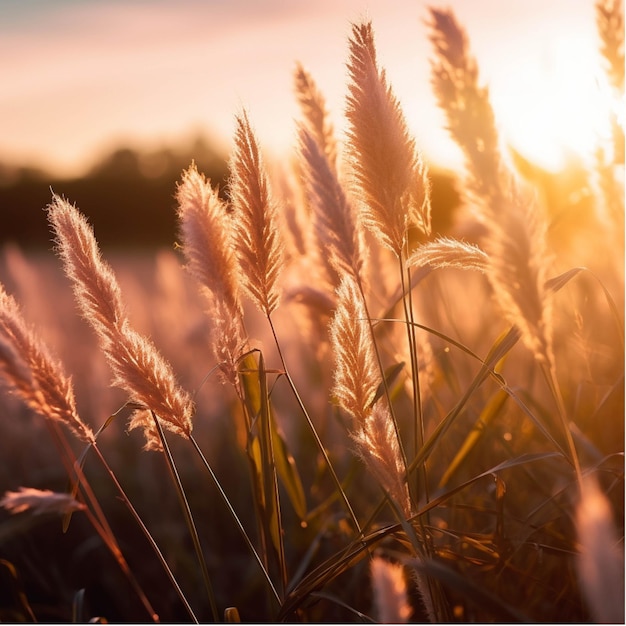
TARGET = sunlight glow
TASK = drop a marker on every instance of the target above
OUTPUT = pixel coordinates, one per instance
(115, 74)
(557, 105)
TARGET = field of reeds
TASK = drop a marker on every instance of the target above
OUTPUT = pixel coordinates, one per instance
(318, 405)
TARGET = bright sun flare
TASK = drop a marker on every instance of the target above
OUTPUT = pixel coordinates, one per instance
(557, 104)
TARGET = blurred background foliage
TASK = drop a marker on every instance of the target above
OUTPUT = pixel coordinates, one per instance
(128, 195)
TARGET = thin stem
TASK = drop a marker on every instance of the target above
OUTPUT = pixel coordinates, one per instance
(331, 469)
(188, 517)
(549, 372)
(95, 514)
(407, 303)
(392, 412)
(147, 534)
(236, 519)
(418, 430)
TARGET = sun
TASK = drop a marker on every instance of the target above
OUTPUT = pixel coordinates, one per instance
(557, 103)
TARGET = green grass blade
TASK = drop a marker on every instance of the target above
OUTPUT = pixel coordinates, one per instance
(501, 347)
(262, 450)
(288, 471)
(268, 472)
(487, 415)
(558, 282)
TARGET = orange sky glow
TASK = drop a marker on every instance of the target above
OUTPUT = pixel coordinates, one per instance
(80, 78)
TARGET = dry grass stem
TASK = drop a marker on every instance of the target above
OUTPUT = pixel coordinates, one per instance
(256, 240)
(137, 366)
(206, 233)
(390, 177)
(29, 370)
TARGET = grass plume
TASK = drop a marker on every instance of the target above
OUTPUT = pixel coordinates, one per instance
(357, 381)
(447, 252)
(256, 240)
(390, 592)
(600, 562)
(336, 222)
(30, 372)
(516, 243)
(206, 233)
(389, 173)
(315, 116)
(137, 366)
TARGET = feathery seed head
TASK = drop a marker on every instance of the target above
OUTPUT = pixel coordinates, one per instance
(336, 225)
(390, 591)
(95, 287)
(377, 444)
(446, 252)
(518, 268)
(357, 376)
(29, 371)
(39, 501)
(257, 235)
(206, 232)
(137, 366)
(313, 107)
(600, 562)
(390, 176)
(470, 118)
(516, 242)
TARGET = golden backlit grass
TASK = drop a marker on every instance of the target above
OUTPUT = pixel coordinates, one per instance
(345, 415)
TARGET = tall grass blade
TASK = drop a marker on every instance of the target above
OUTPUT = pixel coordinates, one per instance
(487, 415)
(498, 351)
(558, 282)
(251, 383)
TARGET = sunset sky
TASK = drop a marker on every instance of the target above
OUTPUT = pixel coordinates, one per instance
(81, 77)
